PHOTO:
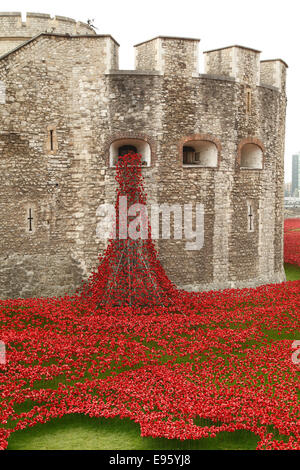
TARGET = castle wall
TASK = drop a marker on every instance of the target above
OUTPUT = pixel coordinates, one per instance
(13, 31)
(60, 86)
(72, 86)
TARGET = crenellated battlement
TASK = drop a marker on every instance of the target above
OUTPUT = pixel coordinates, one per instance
(165, 55)
(175, 55)
(14, 31)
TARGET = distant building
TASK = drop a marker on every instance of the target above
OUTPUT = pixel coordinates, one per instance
(287, 189)
(296, 175)
(291, 207)
(291, 202)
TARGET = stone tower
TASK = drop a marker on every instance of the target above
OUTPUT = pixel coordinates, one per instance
(214, 138)
(13, 31)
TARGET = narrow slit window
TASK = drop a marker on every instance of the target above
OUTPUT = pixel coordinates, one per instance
(51, 140)
(248, 101)
(30, 220)
(250, 218)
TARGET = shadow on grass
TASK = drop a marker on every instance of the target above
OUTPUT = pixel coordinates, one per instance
(79, 432)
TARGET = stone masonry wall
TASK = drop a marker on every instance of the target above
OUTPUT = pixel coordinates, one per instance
(236, 61)
(13, 31)
(58, 186)
(71, 85)
(148, 55)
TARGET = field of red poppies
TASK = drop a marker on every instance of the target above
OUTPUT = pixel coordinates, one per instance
(215, 362)
(292, 241)
(187, 366)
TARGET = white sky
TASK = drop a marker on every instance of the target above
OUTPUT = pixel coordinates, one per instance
(270, 26)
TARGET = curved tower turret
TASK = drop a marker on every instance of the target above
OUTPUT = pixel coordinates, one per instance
(14, 31)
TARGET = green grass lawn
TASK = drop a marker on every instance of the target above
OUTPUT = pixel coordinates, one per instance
(78, 432)
(81, 432)
(292, 272)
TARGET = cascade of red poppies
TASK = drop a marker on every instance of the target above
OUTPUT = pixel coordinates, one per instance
(129, 273)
